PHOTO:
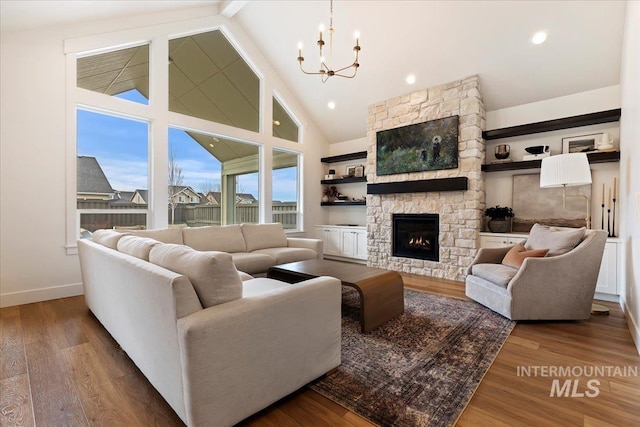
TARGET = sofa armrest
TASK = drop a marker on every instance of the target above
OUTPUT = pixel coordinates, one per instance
(241, 356)
(313, 244)
(488, 256)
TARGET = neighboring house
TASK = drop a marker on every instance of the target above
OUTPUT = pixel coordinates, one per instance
(245, 199)
(92, 182)
(140, 197)
(213, 198)
(181, 194)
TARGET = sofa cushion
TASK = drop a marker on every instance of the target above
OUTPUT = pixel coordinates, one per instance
(260, 286)
(286, 255)
(227, 238)
(213, 274)
(164, 235)
(108, 238)
(137, 246)
(499, 274)
(262, 236)
(253, 263)
(558, 240)
(516, 255)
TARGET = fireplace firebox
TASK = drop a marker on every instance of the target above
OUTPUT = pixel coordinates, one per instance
(416, 236)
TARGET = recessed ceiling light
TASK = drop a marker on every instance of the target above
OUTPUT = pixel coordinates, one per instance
(276, 122)
(331, 105)
(211, 145)
(411, 79)
(539, 37)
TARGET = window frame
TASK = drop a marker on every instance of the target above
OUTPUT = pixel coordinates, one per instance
(157, 113)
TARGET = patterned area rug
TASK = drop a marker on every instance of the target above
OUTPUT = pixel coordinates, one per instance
(419, 369)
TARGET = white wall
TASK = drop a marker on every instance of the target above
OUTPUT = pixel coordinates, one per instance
(33, 259)
(499, 185)
(630, 168)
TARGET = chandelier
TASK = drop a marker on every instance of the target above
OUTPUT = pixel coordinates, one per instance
(325, 70)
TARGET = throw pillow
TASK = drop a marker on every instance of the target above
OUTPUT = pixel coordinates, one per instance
(262, 236)
(516, 255)
(164, 235)
(212, 274)
(559, 240)
(138, 247)
(108, 238)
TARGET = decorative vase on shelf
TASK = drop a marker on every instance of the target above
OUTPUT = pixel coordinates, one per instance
(500, 225)
(325, 198)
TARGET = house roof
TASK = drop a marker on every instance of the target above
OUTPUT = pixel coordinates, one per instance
(91, 178)
(143, 193)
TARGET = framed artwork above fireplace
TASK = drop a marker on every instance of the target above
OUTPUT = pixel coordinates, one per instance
(431, 145)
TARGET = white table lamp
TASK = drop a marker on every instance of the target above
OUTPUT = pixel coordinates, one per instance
(567, 170)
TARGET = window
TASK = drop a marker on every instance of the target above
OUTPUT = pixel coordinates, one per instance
(285, 189)
(223, 172)
(112, 171)
(122, 73)
(283, 125)
(201, 166)
(209, 80)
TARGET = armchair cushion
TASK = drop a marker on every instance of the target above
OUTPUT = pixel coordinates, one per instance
(499, 274)
(559, 240)
(212, 274)
(516, 255)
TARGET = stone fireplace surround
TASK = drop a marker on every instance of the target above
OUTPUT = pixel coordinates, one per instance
(460, 211)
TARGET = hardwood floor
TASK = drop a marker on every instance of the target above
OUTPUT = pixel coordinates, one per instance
(60, 367)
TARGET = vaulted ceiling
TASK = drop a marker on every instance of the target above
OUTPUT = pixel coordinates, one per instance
(437, 41)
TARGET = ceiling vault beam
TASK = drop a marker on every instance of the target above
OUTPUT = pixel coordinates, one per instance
(229, 8)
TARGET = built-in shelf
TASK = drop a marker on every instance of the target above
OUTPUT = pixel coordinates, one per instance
(551, 125)
(345, 180)
(345, 157)
(595, 157)
(351, 203)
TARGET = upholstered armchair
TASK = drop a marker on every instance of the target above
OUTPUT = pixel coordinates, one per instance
(558, 286)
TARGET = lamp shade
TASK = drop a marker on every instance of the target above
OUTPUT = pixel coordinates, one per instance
(565, 169)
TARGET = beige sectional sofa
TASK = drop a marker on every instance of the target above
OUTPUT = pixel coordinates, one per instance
(217, 344)
(253, 247)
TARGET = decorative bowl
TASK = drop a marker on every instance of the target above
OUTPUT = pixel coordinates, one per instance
(536, 149)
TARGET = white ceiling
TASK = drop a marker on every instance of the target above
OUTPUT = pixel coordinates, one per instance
(438, 41)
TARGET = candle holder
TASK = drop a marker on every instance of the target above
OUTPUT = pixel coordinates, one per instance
(613, 227)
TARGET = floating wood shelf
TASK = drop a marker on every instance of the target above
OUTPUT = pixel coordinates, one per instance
(344, 180)
(345, 157)
(460, 183)
(595, 157)
(557, 124)
(351, 203)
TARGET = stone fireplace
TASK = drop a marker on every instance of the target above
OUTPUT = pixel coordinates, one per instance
(416, 236)
(459, 211)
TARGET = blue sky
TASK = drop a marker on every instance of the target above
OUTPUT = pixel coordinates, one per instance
(120, 146)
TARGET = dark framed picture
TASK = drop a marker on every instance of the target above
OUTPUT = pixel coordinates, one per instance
(359, 173)
(350, 170)
(431, 145)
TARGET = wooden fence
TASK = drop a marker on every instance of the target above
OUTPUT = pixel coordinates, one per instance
(191, 215)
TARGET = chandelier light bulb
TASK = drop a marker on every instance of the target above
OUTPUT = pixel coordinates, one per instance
(321, 27)
(300, 45)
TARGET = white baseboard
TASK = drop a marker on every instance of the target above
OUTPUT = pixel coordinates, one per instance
(632, 323)
(37, 295)
(606, 297)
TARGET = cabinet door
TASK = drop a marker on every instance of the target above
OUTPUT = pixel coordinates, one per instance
(494, 242)
(361, 251)
(349, 243)
(332, 241)
(607, 279)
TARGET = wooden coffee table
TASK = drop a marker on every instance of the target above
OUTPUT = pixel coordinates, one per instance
(381, 291)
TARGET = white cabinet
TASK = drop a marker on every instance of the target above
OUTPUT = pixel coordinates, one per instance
(609, 269)
(499, 240)
(343, 241)
(607, 286)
